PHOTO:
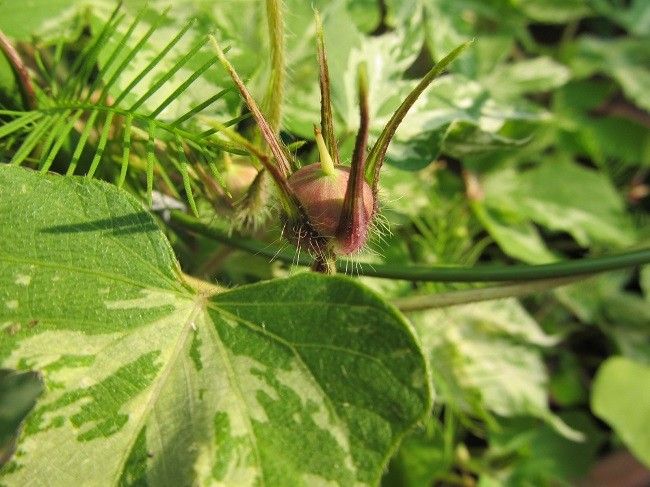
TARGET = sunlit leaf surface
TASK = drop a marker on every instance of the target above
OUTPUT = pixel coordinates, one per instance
(304, 381)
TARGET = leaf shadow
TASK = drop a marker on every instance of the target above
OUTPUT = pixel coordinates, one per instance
(132, 223)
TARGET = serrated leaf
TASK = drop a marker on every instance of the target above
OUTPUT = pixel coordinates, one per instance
(621, 397)
(306, 380)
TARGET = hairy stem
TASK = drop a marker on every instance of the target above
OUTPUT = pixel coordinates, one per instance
(485, 273)
(326, 118)
(275, 91)
(325, 263)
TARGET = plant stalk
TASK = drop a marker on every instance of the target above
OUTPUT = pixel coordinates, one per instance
(465, 296)
(275, 90)
(486, 273)
(20, 70)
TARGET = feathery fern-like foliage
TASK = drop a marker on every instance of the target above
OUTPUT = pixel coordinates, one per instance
(83, 121)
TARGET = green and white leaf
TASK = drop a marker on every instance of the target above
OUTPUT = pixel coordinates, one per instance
(530, 76)
(302, 381)
(563, 196)
(485, 358)
(624, 59)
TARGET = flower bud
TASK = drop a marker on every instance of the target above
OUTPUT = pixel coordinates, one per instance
(321, 194)
(237, 175)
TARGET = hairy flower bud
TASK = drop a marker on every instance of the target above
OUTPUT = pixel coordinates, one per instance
(237, 176)
(321, 195)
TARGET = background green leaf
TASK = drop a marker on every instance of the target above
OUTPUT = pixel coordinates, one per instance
(563, 196)
(483, 362)
(621, 397)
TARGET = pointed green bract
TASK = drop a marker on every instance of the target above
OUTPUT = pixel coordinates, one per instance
(378, 152)
(300, 381)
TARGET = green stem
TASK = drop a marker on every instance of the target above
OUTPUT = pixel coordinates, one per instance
(485, 273)
(509, 290)
(275, 90)
(20, 70)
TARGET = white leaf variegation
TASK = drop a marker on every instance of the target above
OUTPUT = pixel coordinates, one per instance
(304, 381)
(485, 360)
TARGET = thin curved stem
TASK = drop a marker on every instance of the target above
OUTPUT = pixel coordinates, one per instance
(486, 273)
(20, 70)
(465, 296)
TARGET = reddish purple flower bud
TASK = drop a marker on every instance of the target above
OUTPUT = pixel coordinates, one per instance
(321, 196)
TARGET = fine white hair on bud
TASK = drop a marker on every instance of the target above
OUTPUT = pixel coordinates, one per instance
(321, 197)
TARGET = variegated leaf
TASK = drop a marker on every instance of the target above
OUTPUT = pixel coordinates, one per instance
(309, 380)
